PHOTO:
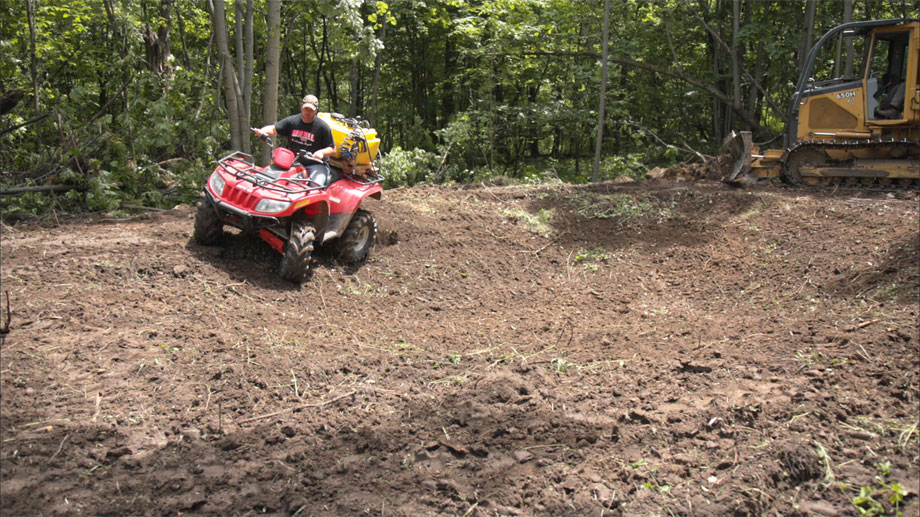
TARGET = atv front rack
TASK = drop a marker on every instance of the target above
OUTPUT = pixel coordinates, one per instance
(251, 174)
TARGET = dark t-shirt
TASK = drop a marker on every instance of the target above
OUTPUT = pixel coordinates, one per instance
(302, 136)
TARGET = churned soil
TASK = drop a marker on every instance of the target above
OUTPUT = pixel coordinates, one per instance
(661, 347)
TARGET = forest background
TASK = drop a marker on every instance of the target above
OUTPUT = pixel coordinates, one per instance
(113, 104)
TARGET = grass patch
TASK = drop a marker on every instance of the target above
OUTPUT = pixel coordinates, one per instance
(538, 223)
(624, 207)
(591, 259)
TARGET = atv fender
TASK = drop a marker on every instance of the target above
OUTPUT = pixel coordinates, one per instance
(318, 213)
(345, 198)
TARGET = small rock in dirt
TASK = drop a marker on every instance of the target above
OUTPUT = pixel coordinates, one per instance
(455, 449)
(288, 431)
(692, 367)
(682, 459)
(118, 452)
(229, 444)
(800, 462)
(637, 415)
(449, 487)
(190, 434)
(571, 484)
(861, 435)
(423, 455)
(295, 503)
(522, 456)
(818, 508)
(601, 493)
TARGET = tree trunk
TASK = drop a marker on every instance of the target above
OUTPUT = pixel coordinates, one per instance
(736, 58)
(156, 42)
(272, 71)
(354, 76)
(33, 65)
(232, 94)
(807, 32)
(238, 38)
(603, 95)
(378, 61)
(248, 72)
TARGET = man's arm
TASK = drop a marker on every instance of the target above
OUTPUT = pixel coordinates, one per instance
(327, 141)
(324, 152)
(269, 130)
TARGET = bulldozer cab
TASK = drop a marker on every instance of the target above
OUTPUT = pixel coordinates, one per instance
(873, 67)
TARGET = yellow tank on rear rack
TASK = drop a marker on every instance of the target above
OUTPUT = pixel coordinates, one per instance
(355, 144)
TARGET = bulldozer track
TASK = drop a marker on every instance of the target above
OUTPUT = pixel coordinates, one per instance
(857, 182)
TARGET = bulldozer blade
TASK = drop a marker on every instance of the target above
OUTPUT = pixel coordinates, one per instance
(741, 147)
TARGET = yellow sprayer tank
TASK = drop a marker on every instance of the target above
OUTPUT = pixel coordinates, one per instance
(355, 144)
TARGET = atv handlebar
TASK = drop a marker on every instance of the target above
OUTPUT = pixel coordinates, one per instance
(262, 136)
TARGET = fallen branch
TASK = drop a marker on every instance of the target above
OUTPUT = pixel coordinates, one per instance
(862, 325)
(295, 408)
(138, 207)
(39, 188)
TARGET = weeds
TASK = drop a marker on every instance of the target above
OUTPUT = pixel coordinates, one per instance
(538, 223)
(870, 500)
(905, 436)
(590, 259)
(624, 207)
(560, 365)
(826, 461)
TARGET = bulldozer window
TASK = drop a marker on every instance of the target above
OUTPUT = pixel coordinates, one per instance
(839, 61)
(887, 72)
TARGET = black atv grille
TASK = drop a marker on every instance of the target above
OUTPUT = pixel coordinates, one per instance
(241, 198)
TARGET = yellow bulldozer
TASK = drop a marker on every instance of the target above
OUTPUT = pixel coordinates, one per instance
(862, 126)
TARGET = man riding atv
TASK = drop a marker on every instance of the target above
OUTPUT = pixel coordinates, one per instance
(299, 199)
(306, 132)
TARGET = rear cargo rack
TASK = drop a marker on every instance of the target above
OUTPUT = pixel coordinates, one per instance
(366, 180)
(249, 173)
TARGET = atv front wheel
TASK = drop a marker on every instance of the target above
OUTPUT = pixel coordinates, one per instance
(295, 263)
(358, 238)
(208, 227)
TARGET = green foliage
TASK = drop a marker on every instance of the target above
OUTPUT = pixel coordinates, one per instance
(539, 223)
(876, 500)
(406, 168)
(630, 165)
(623, 206)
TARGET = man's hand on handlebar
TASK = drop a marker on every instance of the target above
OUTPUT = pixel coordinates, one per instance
(262, 135)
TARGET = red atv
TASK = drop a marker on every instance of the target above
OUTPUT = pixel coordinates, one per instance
(288, 210)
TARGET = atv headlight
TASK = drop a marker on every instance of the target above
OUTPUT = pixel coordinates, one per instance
(272, 206)
(217, 183)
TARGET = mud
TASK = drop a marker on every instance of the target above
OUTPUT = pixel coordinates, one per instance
(650, 348)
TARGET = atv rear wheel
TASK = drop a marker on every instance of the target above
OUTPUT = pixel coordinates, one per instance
(208, 227)
(295, 262)
(358, 238)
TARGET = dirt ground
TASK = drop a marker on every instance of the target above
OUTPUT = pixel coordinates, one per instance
(651, 348)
